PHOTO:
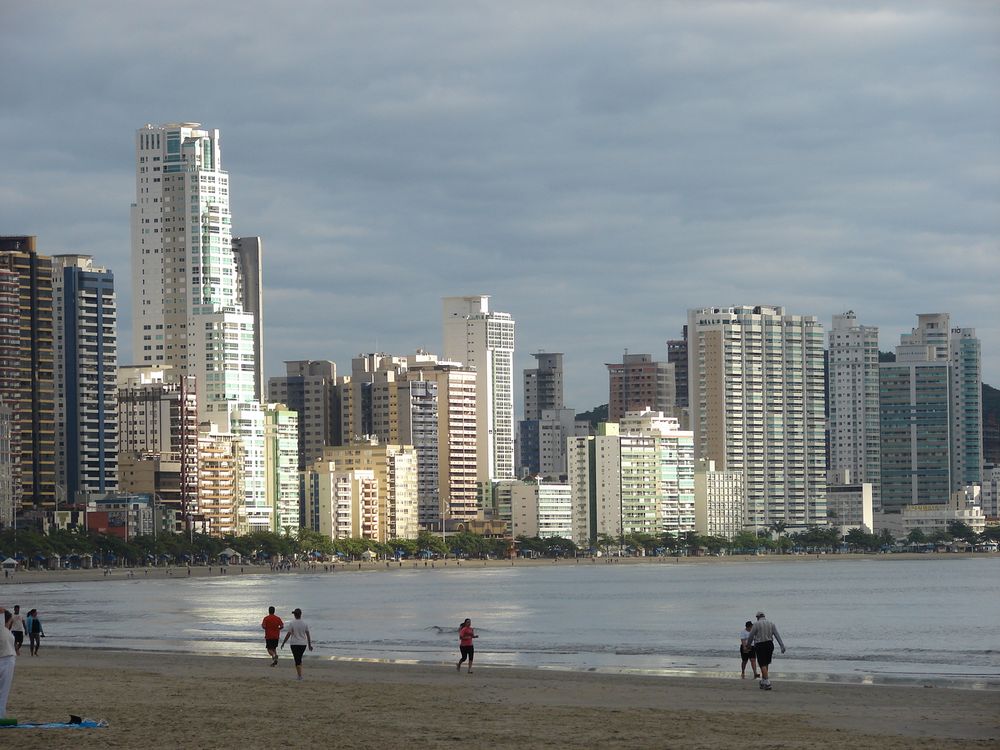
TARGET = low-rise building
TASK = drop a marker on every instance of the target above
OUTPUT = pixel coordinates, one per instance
(932, 517)
(849, 504)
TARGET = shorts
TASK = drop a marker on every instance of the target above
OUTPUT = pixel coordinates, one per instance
(297, 652)
(765, 649)
(467, 652)
(18, 637)
(750, 653)
(271, 644)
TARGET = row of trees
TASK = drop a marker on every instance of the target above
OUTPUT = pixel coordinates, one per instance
(35, 546)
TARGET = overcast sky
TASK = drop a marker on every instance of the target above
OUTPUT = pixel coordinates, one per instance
(598, 168)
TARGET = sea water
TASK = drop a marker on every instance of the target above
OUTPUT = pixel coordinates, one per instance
(871, 620)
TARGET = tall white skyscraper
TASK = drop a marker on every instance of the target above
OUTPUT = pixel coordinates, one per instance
(755, 390)
(854, 402)
(187, 309)
(484, 340)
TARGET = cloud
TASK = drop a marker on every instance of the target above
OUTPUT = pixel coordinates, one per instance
(598, 169)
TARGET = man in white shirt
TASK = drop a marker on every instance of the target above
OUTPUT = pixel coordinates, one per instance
(762, 637)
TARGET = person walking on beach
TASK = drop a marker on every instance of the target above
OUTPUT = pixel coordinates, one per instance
(762, 637)
(748, 653)
(35, 632)
(272, 625)
(8, 655)
(465, 636)
(298, 633)
(17, 628)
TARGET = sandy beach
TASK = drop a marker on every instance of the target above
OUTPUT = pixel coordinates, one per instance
(156, 700)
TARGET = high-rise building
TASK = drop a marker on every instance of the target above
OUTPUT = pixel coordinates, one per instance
(309, 387)
(6, 467)
(437, 414)
(535, 507)
(756, 394)
(281, 455)
(368, 398)
(852, 380)
(395, 470)
(187, 306)
(484, 340)
(543, 385)
(677, 355)
(547, 423)
(633, 477)
(85, 370)
(30, 393)
(158, 435)
(346, 501)
(931, 414)
(719, 500)
(221, 497)
(248, 252)
(638, 383)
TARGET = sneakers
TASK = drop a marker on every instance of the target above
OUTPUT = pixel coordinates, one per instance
(274, 661)
(765, 684)
(458, 667)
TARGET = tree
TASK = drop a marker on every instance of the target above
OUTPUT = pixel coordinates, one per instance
(916, 536)
(963, 531)
(745, 541)
(861, 539)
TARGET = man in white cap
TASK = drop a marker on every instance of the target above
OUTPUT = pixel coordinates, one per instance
(762, 637)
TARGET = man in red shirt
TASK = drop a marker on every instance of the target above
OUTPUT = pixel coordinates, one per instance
(272, 626)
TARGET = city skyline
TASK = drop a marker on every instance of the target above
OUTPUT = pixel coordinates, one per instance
(677, 157)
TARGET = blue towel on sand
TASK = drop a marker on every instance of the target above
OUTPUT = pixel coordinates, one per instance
(85, 724)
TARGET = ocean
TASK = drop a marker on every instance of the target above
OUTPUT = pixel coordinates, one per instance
(878, 620)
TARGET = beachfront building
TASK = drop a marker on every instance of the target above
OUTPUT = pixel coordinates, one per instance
(483, 340)
(535, 507)
(756, 393)
(27, 383)
(637, 382)
(719, 500)
(368, 398)
(932, 517)
(849, 504)
(853, 382)
(281, 457)
(990, 494)
(196, 298)
(158, 435)
(438, 415)
(677, 355)
(6, 467)
(395, 469)
(931, 414)
(345, 501)
(221, 499)
(634, 477)
(85, 370)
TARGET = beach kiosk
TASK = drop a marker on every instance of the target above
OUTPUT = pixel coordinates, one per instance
(368, 555)
(9, 565)
(229, 556)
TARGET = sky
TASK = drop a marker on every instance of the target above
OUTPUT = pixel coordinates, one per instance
(597, 168)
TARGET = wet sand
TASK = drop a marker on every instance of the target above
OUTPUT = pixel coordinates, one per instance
(156, 700)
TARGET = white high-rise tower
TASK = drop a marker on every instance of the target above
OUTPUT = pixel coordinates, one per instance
(484, 340)
(854, 401)
(187, 305)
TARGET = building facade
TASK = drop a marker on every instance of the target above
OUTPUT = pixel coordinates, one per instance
(28, 376)
(637, 383)
(853, 382)
(719, 500)
(756, 393)
(85, 326)
(483, 339)
(281, 460)
(309, 388)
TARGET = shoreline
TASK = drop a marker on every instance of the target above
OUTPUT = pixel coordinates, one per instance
(201, 571)
(157, 700)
